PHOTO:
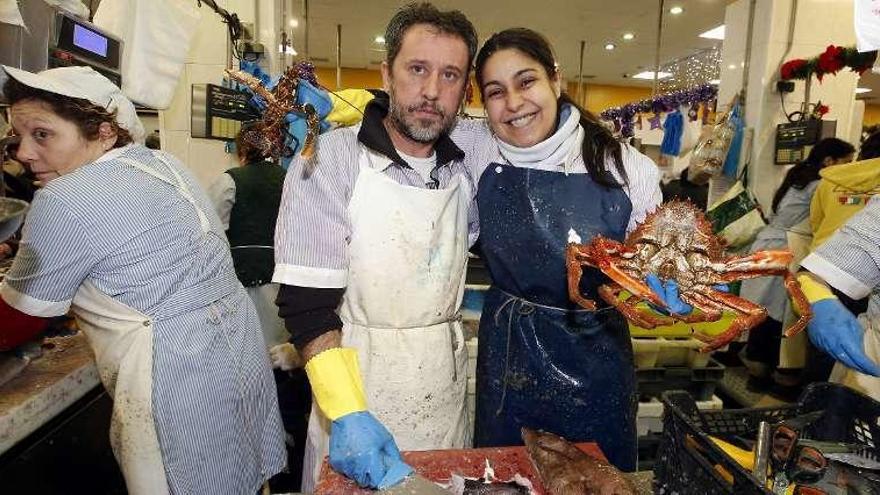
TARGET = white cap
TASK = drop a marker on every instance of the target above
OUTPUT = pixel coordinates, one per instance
(82, 82)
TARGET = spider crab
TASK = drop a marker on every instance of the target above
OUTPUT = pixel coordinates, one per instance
(676, 242)
(269, 134)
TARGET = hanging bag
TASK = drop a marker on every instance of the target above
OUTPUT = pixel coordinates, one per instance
(736, 216)
(708, 156)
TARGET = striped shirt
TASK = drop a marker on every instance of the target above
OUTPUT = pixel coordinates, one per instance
(313, 230)
(850, 260)
(138, 240)
(643, 187)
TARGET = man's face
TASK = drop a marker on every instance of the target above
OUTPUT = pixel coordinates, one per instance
(426, 82)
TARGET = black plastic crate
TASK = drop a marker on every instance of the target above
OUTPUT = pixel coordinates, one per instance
(689, 463)
(699, 382)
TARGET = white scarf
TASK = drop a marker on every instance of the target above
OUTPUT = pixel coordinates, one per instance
(560, 149)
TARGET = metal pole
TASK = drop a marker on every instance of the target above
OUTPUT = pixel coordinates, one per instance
(580, 94)
(657, 48)
(305, 29)
(748, 57)
(339, 56)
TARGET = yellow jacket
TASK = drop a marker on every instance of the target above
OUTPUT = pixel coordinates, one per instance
(843, 191)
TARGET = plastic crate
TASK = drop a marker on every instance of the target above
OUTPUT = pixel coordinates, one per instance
(699, 382)
(689, 463)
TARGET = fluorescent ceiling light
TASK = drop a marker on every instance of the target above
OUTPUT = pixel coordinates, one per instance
(676, 10)
(714, 33)
(379, 39)
(716, 82)
(293, 23)
(610, 46)
(863, 90)
(628, 36)
(649, 74)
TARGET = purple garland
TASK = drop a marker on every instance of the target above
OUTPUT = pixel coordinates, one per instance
(622, 117)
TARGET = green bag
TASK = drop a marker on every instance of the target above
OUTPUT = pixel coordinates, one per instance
(736, 217)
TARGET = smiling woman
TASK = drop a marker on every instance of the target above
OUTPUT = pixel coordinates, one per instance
(543, 363)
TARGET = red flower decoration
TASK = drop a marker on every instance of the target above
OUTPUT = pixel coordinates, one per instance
(821, 110)
(831, 61)
(793, 69)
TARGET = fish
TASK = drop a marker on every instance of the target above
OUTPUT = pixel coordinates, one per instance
(566, 470)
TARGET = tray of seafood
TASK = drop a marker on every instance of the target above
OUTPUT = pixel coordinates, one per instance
(827, 443)
(546, 465)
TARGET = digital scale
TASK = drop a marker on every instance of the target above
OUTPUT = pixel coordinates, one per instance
(219, 112)
(794, 140)
(55, 38)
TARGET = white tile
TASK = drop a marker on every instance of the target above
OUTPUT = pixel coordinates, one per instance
(176, 143)
(208, 159)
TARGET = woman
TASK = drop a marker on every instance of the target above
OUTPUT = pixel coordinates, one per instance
(126, 239)
(791, 208)
(555, 171)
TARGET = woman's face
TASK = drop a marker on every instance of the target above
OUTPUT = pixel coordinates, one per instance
(50, 145)
(520, 98)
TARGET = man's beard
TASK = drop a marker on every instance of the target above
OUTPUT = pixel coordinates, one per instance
(420, 130)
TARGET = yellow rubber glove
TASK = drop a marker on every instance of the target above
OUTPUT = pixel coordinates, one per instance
(336, 382)
(814, 290)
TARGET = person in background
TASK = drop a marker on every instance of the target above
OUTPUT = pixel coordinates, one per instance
(246, 199)
(552, 171)
(790, 208)
(371, 248)
(126, 239)
(682, 188)
(844, 190)
(850, 262)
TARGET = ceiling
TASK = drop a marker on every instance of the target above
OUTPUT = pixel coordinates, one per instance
(564, 22)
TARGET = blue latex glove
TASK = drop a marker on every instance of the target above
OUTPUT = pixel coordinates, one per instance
(835, 330)
(668, 292)
(363, 450)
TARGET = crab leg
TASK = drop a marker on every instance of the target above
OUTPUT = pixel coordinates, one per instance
(574, 260)
(610, 292)
(748, 316)
(802, 306)
(761, 261)
(709, 310)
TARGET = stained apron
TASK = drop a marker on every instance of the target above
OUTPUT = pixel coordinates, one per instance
(543, 362)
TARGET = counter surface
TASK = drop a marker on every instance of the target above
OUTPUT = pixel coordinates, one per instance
(51, 383)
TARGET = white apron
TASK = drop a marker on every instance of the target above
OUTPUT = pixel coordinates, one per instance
(122, 340)
(407, 259)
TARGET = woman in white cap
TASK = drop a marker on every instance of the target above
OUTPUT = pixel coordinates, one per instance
(126, 239)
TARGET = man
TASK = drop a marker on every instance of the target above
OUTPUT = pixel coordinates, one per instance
(849, 262)
(371, 247)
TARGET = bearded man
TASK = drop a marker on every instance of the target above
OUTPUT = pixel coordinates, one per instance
(371, 248)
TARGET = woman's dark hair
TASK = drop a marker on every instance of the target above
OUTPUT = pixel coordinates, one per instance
(247, 152)
(807, 171)
(870, 147)
(87, 116)
(599, 143)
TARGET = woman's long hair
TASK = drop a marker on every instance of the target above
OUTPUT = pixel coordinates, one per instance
(807, 171)
(599, 144)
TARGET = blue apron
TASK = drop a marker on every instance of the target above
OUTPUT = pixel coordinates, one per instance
(543, 362)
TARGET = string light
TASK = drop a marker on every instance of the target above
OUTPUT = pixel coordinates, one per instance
(701, 67)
